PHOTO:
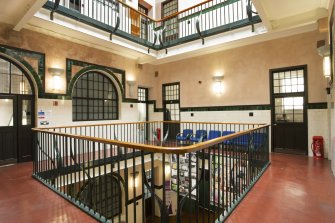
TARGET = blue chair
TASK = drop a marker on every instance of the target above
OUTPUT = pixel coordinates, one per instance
(242, 140)
(200, 135)
(225, 133)
(258, 139)
(187, 133)
(212, 134)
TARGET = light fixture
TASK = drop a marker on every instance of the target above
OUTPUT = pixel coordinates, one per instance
(133, 182)
(326, 66)
(324, 51)
(56, 78)
(218, 86)
(131, 84)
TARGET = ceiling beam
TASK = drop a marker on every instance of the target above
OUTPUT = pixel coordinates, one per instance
(37, 5)
(261, 12)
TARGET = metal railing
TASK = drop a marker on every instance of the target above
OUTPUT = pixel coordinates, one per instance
(204, 19)
(153, 171)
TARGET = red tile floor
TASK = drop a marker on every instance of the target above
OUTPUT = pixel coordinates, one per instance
(293, 189)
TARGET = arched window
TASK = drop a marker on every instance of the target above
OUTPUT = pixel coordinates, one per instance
(103, 194)
(13, 80)
(94, 97)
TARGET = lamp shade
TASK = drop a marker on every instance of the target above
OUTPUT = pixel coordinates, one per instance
(326, 66)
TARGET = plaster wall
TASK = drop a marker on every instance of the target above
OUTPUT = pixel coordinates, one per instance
(245, 71)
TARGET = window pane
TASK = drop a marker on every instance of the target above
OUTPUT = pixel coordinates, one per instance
(6, 112)
(4, 83)
(26, 112)
(100, 92)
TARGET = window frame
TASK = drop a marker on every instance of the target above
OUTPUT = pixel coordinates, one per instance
(89, 103)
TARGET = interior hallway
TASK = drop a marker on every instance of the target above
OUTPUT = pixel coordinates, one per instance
(293, 189)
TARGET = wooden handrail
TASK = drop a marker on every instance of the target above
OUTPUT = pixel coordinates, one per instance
(149, 122)
(155, 149)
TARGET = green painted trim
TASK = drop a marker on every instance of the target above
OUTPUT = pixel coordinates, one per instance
(18, 53)
(318, 105)
(56, 96)
(90, 67)
(226, 108)
(211, 32)
(153, 102)
(99, 25)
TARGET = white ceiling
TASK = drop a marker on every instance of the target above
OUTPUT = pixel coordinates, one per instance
(278, 14)
(11, 11)
(279, 9)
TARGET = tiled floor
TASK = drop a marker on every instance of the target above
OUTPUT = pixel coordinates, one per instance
(293, 189)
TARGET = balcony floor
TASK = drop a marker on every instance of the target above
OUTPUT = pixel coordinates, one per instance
(293, 189)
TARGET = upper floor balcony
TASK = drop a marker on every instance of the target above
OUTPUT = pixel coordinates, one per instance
(125, 26)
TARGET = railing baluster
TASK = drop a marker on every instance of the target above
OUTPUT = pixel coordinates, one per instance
(78, 167)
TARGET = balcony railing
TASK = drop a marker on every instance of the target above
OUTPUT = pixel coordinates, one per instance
(117, 18)
(149, 172)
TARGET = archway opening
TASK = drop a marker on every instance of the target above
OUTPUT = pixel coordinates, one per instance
(17, 103)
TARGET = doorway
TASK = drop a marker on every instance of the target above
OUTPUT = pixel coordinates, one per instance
(289, 109)
(143, 111)
(171, 108)
(17, 103)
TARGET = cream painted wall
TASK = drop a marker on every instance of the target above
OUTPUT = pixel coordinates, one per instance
(246, 72)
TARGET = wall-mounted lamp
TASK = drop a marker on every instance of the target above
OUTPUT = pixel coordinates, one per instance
(133, 182)
(131, 85)
(324, 51)
(218, 86)
(326, 66)
(56, 78)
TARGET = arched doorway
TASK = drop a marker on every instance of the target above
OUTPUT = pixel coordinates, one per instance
(17, 113)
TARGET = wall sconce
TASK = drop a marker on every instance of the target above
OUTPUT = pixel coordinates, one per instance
(324, 51)
(131, 85)
(326, 66)
(218, 85)
(133, 182)
(56, 78)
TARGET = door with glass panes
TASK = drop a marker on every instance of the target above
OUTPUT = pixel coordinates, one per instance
(17, 106)
(171, 107)
(289, 113)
